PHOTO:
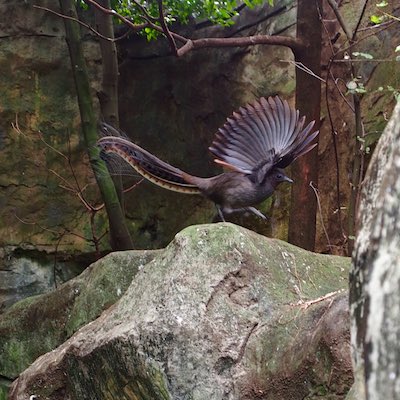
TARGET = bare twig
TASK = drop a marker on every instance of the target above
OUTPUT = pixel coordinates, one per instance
(342, 95)
(304, 68)
(340, 19)
(126, 21)
(356, 41)
(360, 18)
(54, 232)
(305, 304)
(133, 186)
(333, 131)
(320, 214)
(352, 60)
(65, 184)
(144, 11)
(166, 31)
(87, 26)
(372, 27)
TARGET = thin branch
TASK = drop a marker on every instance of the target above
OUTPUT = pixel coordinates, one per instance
(133, 186)
(51, 147)
(66, 185)
(166, 31)
(145, 12)
(272, 14)
(126, 21)
(336, 153)
(353, 38)
(381, 27)
(207, 22)
(305, 304)
(351, 60)
(335, 81)
(372, 27)
(305, 69)
(56, 233)
(76, 20)
(333, 131)
(335, 9)
(320, 213)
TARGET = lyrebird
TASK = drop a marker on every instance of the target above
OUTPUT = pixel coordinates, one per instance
(255, 144)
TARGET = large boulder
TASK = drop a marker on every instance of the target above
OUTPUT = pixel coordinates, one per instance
(39, 324)
(221, 313)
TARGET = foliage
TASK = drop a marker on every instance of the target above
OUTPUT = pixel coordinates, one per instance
(219, 12)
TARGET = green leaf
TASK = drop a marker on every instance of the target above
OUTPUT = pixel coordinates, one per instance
(382, 4)
(361, 90)
(376, 19)
(82, 4)
(364, 55)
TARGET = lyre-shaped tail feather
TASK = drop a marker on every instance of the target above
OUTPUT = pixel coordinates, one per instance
(147, 165)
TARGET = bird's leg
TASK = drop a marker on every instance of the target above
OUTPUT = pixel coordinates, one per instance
(220, 213)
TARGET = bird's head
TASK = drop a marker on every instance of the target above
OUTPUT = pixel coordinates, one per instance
(278, 175)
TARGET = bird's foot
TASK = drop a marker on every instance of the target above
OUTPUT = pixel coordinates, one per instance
(256, 212)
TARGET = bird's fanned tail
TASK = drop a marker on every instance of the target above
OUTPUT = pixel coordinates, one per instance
(265, 132)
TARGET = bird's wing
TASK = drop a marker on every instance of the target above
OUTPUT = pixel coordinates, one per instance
(266, 132)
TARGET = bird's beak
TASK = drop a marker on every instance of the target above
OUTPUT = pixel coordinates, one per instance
(287, 179)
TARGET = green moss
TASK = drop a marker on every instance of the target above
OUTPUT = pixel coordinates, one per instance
(115, 368)
(38, 324)
(4, 388)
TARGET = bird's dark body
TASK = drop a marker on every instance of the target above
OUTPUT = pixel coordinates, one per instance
(232, 190)
(255, 144)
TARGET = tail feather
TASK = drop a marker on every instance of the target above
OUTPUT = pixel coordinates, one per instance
(147, 165)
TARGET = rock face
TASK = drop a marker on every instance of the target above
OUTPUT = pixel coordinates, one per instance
(375, 280)
(25, 273)
(39, 324)
(219, 314)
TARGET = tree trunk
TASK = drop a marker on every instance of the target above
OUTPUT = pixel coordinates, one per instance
(108, 94)
(375, 275)
(302, 217)
(120, 238)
